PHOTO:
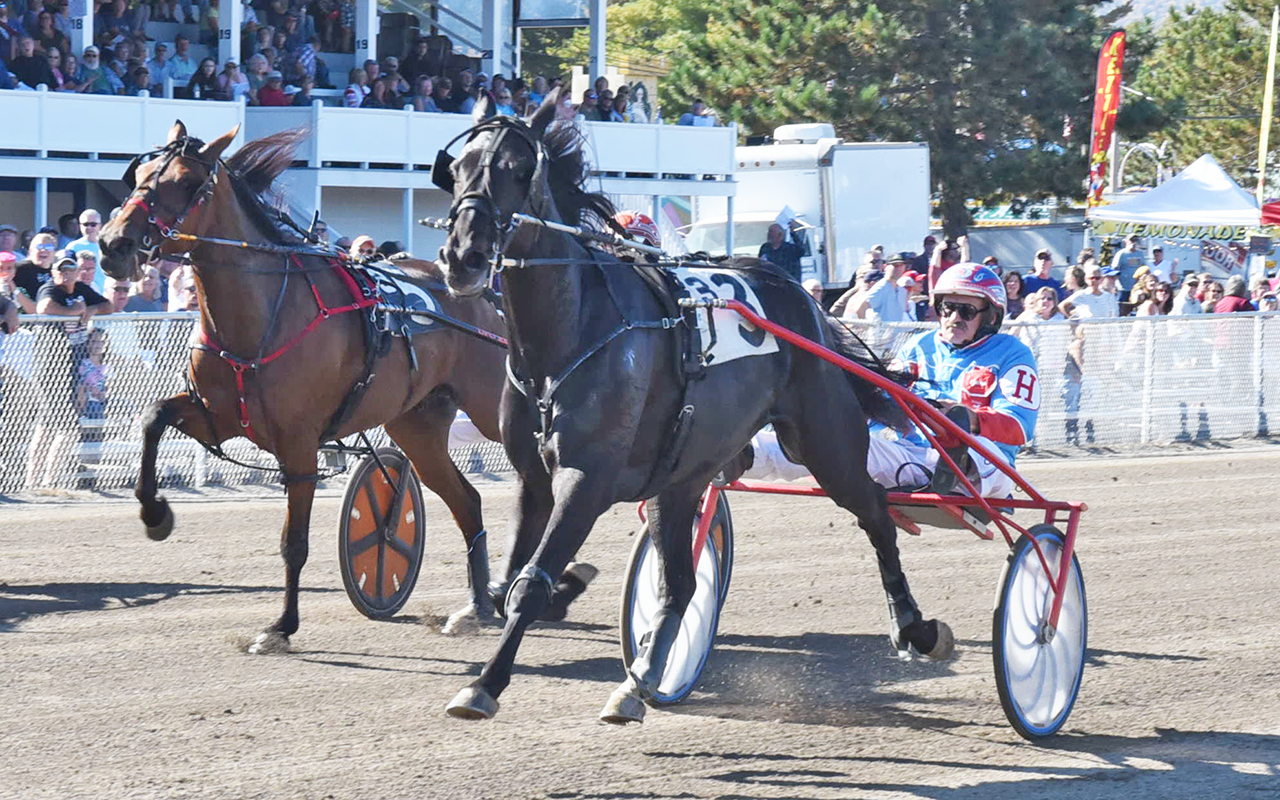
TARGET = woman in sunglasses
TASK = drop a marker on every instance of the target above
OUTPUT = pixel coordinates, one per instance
(984, 381)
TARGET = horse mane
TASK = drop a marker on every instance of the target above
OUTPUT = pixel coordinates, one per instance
(567, 175)
(255, 167)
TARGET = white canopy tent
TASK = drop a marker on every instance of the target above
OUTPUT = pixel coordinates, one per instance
(1202, 195)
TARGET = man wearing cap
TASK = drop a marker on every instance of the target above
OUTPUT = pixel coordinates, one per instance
(1127, 261)
(1186, 301)
(1090, 303)
(64, 296)
(886, 301)
(8, 239)
(1110, 283)
(273, 93)
(1164, 272)
(1043, 276)
(90, 229)
(777, 250)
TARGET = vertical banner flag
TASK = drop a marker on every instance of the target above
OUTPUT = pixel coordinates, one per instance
(1106, 102)
(1268, 98)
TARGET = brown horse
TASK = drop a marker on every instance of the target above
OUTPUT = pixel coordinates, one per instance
(284, 344)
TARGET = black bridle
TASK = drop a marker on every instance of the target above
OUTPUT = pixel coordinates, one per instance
(144, 197)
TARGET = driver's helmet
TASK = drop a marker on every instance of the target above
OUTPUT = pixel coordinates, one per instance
(973, 280)
(639, 226)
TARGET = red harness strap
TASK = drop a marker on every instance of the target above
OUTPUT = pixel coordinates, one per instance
(359, 300)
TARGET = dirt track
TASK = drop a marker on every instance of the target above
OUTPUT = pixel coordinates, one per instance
(121, 673)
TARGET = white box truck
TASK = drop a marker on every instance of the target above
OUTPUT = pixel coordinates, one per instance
(850, 197)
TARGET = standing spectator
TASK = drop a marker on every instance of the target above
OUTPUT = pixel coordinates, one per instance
(1186, 302)
(8, 239)
(118, 293)
(48, 37)
(30, 67)
(1127, 262)
(1110, 281)
(86, 267)
(273, 94)
(1091, 303)
(347, 25)
(182, 65)
(68, 231)
(777, 250)
(538, 92)
(159, 66)
(181, 282)
(1211, 293)
(90, 229)
(814, 288)
(921, 263)
(992, 263)
(417, 61)
(886, 300)
(9, 288)
(944, 258)
(863, 279)
(1163, 270)
(1043, 276)
(204, 84)
(1040, 306)
(1236, 299)
(1015, 290)
(697, 115)
(34, 271)
(146, 293)
(358, 90)
(10, 30)
(59, 350)
(502, 101)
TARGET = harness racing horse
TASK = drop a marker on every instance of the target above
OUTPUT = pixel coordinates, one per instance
(288, 355)
(595, 411)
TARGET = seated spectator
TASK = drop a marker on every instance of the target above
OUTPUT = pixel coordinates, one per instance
(589, 108)
(182, 65)
(160, 67)
(182, 288)
(363, 248)
(145, 294)
(502, 105)
(169, 11)
(292, 70)
(92, 75)
(114, 74)
(60, 80)
(10, 291)
(232, 84)
(256, 69)
(390, 69)
(262, 39)
(118, 293)
(1041, 306)
(355, 94)
(380, 96)
(443, 95)
(814, 289)
(1212, 293)
(1014, 292)
(30, 67)
(422, 95)
(1043, 276)
(204, 84)
(698, 116)
(273, 93)
(1159, 304)
(86, 267)
(72, 82)
(372, 70)
(138, 81)
(34, 271)
(1235, 297)
(1186, 301)
(303, 96)
(8, 239)
(538, 91)
(619, 111)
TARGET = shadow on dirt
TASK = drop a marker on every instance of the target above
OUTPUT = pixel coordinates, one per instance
(1168, 763)
(19, 603)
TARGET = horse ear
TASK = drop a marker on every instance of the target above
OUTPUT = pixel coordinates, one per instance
(546, 112)
(484, 109)
(178, 131)
(213, 150)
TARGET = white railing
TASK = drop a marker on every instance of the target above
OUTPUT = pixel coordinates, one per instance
(1140, 382)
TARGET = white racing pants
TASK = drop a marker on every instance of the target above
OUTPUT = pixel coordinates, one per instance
(890, 463)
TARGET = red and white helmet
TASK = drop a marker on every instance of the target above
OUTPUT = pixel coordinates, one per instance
(639, 226)
(973, 280)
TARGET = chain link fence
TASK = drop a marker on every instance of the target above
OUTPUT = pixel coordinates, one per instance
(71, 398)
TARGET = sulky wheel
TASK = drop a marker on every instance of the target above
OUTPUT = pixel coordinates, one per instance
(381, 533)
(1038, 675)
(698, 626)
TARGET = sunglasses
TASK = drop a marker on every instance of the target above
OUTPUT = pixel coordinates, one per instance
(946, 308)
(45, 246)
(90, 224)
(121, 290)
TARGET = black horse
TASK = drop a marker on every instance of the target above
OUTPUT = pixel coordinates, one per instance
(596, 410)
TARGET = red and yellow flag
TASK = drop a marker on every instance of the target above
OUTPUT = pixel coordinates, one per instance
(1106, 102)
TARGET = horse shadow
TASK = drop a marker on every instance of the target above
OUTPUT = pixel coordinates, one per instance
(19, 602)
(1168, 763)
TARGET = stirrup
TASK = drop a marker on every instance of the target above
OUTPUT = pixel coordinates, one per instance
(945, 479)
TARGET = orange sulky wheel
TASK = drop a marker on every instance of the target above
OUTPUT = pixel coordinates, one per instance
(381, 533)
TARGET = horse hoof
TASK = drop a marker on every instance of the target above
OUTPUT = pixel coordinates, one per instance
(946, 644)
(467, 621)
(623, 706)
(472, 703)
(268, 643)
(161, 530)
(585, 573)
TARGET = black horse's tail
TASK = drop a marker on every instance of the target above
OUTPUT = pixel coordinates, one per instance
(875, 402)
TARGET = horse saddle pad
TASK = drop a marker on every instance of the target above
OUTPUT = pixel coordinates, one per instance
(725, 336)
(399, 297)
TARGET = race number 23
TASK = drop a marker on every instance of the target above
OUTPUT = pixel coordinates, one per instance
(728, 287)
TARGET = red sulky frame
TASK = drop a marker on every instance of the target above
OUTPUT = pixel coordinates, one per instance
(930, 421)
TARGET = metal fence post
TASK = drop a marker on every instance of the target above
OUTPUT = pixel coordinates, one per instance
(1148, 380)
(1259, 383)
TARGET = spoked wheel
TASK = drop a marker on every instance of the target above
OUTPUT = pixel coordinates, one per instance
(381, 533)
(1038, 680)
(640, 603)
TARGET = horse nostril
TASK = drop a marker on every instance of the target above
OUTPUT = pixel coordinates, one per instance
(474, 260)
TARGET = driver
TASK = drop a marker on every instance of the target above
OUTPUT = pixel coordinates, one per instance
(985, 381)
(641, 228)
